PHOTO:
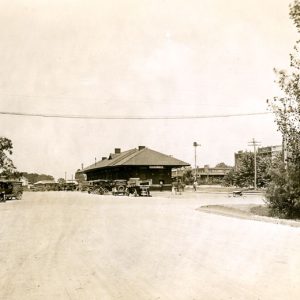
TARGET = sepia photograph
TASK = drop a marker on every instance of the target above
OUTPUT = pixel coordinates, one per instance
(149, 150)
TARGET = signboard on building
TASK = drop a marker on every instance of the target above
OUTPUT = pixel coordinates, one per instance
(156, 167)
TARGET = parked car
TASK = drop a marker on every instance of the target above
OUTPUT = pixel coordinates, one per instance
(138, 187)
(100, 186)
(67, 186)
(119, 187)
(237, 193)
(10, 189)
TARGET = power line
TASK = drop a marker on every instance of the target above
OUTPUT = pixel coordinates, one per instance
(95, 117)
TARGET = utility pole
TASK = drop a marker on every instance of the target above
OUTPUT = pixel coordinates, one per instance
(254, 143)
(195, 144)
(65, 176)
(286, 111)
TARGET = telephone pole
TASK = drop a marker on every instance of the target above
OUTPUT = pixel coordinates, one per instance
(286, 111)
(195, 144)
(254, 143)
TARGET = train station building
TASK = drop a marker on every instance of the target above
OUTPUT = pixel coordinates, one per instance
(141, 162)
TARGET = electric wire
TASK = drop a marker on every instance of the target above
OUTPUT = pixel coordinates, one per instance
(137, 117)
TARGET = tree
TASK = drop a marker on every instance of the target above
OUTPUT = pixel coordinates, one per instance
(34, 177)
(264, 165)
(61, 181)
(245, 173)
(283, 195)
(188, 177)
(243, 176)
(7, 168)
(230, 178)
(222, 165)
(80, 177)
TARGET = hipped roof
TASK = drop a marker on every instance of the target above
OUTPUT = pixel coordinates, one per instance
(136, 157)
(45, 182)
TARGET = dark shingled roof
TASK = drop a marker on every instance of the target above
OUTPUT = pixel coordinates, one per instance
(135, 157)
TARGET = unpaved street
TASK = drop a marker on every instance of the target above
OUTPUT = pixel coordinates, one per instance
(61, 245)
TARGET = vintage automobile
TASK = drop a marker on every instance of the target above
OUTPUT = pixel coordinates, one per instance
(67, 186)
(10, 189)
(138, 187)
(119, 187)
(237, 193)
(84, 186)
(99, 186)
(45, 186)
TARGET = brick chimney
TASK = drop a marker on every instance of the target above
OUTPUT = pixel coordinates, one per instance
(117, 150)
(104, 158)
(141, 148)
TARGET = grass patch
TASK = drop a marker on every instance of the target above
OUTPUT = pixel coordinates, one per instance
(260, 210)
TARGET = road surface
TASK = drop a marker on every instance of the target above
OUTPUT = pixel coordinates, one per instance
(71, 245)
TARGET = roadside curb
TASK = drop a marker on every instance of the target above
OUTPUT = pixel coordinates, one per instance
(228, 211)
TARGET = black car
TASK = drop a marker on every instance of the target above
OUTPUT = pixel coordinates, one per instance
(99, 186)
(10, 189)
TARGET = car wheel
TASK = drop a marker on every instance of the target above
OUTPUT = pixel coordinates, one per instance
(19, 196)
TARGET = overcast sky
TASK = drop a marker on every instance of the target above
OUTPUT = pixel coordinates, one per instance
(138, 58)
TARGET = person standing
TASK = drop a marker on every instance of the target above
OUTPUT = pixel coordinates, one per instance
(161, 184)
(195, 185)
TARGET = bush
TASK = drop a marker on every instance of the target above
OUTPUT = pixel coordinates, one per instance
(283, 193)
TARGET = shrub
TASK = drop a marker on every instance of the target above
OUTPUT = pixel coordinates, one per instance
(283, 192)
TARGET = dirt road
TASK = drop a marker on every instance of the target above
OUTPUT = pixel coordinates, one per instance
(61, 245)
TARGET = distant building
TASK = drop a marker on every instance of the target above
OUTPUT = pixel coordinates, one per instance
(237, 159)
(142, 163)
(179, 172)
(25, 181)
(45, 185)
(205, 175)
(269, 151)
(211, 175)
